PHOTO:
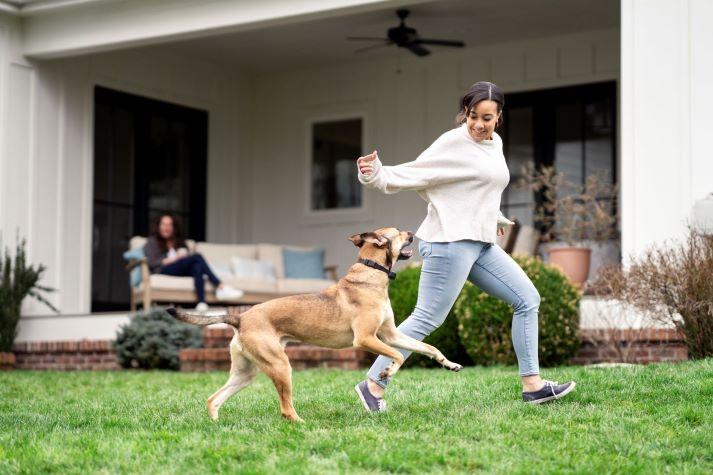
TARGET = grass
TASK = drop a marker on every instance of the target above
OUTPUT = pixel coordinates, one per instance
(651, 419)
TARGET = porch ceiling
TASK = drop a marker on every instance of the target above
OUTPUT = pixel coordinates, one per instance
(320, 42)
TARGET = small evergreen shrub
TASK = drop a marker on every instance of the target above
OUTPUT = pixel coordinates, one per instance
(484, 322)
(153, 340)
(403, 292)
(18, 279)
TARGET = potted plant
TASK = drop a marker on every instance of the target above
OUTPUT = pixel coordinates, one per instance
(17, 281)
(575, 219)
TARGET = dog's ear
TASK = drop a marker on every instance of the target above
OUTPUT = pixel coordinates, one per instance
(357, 240)
(371, 237)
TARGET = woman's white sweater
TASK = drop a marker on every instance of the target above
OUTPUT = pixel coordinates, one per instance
(460, 179)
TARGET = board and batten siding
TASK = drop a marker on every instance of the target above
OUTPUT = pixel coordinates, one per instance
(407, 104)
(47, 157)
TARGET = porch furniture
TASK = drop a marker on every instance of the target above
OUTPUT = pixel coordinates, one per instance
(519, 239)
(180, 290)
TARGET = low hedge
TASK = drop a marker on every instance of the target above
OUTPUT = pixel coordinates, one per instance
(484, 322)
(153, 340)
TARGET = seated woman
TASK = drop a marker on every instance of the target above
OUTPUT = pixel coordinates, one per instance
(166, 253)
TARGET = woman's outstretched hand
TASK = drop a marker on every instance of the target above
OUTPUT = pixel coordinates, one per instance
(365, 163)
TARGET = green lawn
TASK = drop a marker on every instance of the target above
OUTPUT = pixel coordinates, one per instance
(651, 419)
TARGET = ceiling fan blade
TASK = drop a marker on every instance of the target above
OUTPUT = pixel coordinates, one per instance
(367, 48)
(417, 50)
(366, 38)
(453, 43)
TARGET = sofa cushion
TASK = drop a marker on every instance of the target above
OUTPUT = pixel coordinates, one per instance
(253, 285)
(253, 269)
(221, 253)
(302, 286)
(273, 253)
(303, 264)
(170, 282)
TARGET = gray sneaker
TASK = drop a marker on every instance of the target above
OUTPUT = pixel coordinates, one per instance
(370, 402)
(549, 392)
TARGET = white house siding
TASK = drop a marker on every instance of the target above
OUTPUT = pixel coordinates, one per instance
(46, 143)
(667, 99)
(405, 112)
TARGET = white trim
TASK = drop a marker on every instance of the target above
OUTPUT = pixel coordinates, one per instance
(343, 111)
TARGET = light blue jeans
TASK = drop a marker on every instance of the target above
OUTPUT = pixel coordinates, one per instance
(446, 266)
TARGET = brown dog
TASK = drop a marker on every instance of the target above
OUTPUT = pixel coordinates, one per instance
(355, 311)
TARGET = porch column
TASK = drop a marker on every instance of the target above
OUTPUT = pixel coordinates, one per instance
(666, 118)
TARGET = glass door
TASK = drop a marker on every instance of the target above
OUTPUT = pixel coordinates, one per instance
(572, 129)
(149, 158)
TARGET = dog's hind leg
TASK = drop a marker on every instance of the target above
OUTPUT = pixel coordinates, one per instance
(242, 373)
(392, 336)
(272, 360)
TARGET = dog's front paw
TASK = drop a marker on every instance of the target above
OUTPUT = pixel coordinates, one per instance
(455, 367)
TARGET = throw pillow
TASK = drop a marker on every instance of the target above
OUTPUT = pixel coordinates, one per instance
(303, 264)
(135, 254)
(253, 269)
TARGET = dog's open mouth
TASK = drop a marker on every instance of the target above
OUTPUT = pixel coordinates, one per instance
(405, 253)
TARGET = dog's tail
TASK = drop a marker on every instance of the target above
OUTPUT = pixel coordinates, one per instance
(230, 318)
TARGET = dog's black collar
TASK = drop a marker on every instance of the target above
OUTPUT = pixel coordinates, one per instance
(377, 266)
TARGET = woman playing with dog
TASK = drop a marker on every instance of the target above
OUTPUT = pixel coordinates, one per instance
(167, 253)
(462, 176)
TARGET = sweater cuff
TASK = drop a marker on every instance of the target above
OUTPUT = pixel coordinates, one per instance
(370, 179)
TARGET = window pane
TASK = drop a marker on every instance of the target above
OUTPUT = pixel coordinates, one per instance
(335, 147)
(520, 152)
(599, 137)
(568, 144)
(169, 165)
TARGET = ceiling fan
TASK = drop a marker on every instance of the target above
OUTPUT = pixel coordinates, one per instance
(405, 37)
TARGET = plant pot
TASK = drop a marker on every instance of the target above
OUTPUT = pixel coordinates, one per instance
(574, 262)
(7, 361)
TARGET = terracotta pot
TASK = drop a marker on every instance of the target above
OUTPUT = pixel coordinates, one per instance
(7, 360)
(574, 261)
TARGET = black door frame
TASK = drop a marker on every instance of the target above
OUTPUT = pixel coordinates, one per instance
(143, 108)
(543, 103)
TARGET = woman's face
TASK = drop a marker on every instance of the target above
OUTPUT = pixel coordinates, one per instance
(165, 227)
(482, 119)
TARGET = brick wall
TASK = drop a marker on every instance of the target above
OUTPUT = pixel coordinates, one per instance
(649, 345)
(215, 354)
(646, 346)
(66, 355)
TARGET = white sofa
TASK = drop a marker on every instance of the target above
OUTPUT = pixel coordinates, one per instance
(170, 289)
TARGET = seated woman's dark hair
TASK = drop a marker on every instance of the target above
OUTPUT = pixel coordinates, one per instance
(177, 238)
(480, 91)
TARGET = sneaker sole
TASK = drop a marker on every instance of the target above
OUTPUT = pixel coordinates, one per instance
(363, 401)
(552, 398)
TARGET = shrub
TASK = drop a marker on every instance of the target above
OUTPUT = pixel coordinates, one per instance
(153, 340)
(672, 284)
(403, 292)
(484, 321)
(17, 281)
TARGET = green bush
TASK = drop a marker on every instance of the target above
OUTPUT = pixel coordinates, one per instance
(153, 340)
(18, 279)
(403, 292)
(484, 321)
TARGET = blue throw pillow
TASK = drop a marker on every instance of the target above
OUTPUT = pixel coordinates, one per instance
(303, 264)
(135, 276)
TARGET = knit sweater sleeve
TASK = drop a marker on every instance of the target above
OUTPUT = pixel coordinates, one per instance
(435, 166)
(153, 253)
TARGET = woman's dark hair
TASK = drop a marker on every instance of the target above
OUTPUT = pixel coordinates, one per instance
(480, 91)
(177, 240)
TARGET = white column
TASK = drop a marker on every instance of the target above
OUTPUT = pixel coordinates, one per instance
(666, 99)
